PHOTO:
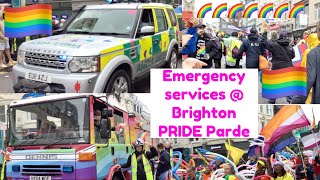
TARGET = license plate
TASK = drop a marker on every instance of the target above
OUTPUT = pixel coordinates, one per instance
(42, 77)
(40, 177)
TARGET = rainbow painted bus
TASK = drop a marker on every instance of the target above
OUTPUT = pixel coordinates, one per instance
(55, 137)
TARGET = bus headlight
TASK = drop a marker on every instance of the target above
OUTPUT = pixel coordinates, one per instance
(84, 64)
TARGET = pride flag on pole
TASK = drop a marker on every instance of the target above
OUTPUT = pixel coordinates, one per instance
(284, 82)
(289, 117)
(28, 21)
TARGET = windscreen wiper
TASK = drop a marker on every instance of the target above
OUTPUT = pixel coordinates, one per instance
(79, 32)
(23, 143)
(60, 141)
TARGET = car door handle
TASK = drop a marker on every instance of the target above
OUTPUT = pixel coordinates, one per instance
(133, 53)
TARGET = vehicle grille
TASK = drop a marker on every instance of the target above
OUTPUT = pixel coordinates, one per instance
(40, 170)
(45, 60)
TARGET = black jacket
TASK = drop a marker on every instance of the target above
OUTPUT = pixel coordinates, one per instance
(313, 77)
(210, 46)
(164, 162)
(141, 175)
(310, 172)
(282, 53)
(253, 48)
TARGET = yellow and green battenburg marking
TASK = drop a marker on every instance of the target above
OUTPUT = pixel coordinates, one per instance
(27, 21)
(284, 82)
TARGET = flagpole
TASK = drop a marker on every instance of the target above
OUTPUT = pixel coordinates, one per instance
(298, 144)
(313, 132)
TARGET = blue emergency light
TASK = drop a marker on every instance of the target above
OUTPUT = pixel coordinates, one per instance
(33, 95)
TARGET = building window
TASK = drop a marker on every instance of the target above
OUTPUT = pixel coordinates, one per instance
(317, 8)
(261, 108)
(175, 140)
(267, 109)
(191, 139)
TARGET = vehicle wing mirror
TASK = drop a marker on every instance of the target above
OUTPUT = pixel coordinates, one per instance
(57, 32)
(147, 30)
(105, 128)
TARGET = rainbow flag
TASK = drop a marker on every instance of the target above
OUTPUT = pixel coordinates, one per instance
(284, 82)
(27, 21)
(289, 117)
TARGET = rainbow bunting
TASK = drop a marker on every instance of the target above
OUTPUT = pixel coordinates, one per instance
(250, 9)
(27, 21)
(280, 10)
(203, 10)
(265, 10)
(234, 10)
(284, 82)
(296, 10)
(219, 10)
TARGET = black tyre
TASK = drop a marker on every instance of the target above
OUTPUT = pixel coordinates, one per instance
(173, 60)
(119, 82)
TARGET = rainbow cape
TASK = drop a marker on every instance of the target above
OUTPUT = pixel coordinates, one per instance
(27, 21)
(284, 82)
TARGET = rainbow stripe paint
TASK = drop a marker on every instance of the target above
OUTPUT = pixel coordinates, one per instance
(234, 10)
(265, 10)
(280, 10)
(284, 82)
(219, 10)
(27, 21)
(203, 10)
(296, 10)
(143, 135)
(250, 9)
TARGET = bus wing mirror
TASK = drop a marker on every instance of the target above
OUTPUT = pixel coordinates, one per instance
(105, 128)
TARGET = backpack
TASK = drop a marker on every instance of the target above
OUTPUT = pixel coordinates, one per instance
(235, 49)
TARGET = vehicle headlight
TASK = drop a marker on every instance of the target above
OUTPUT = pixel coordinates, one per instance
(21, 56)
(84, 64)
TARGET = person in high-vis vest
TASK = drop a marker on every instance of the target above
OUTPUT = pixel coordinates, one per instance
(168, 148)
(232, 43)
(139, 161)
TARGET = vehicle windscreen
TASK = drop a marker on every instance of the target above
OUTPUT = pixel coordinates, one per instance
(104, 22)
(65, 122)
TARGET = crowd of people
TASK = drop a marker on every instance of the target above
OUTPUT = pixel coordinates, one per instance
(206, 47)
(142, 163)
(304, 169)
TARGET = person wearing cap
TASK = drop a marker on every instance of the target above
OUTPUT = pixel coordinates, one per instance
(139, 161)
(253, 48)
(305, 170)
(279, 173)
(206, 48)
